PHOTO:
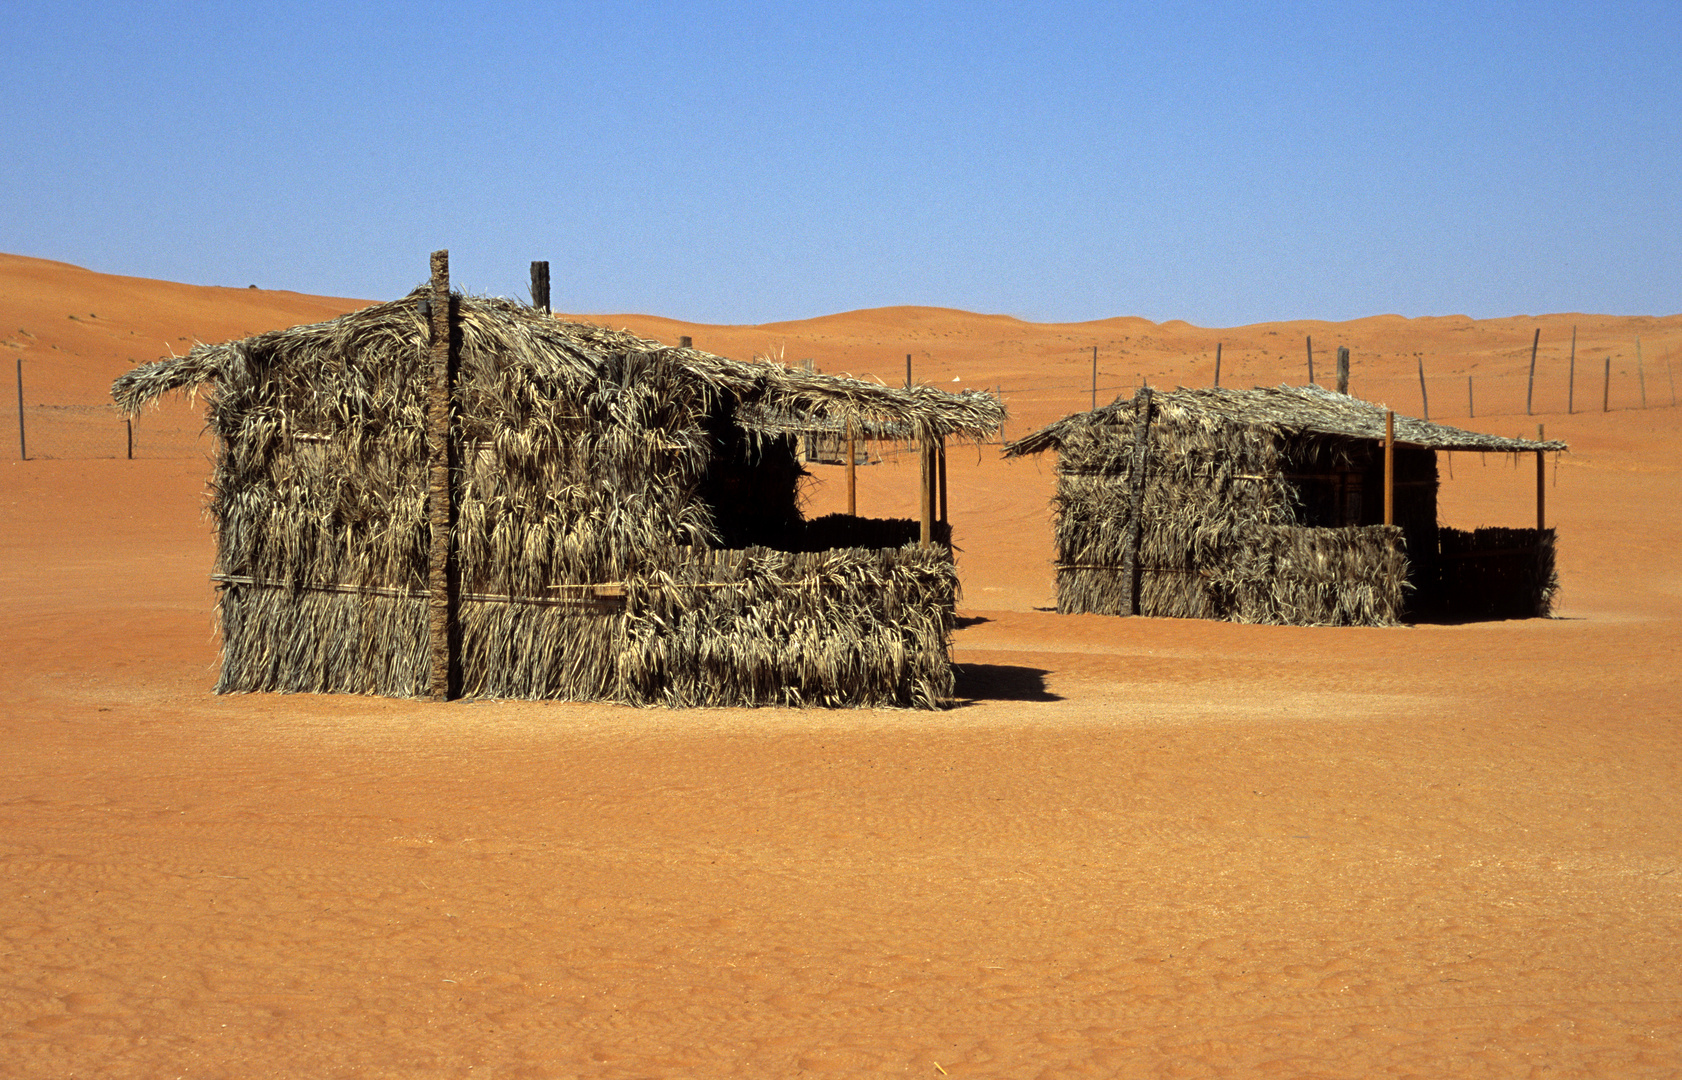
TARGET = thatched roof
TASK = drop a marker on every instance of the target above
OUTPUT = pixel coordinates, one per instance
(1284, 410)
(770, 399)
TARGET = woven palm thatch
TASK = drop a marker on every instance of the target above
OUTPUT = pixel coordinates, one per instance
(626, 516)
(1257, 505)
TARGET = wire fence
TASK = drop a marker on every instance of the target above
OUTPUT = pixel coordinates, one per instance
(49, 430)
(1607, 383)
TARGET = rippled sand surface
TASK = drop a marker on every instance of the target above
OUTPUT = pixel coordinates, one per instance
(1136, 848)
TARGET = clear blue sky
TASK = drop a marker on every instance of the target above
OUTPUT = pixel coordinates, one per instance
(1223, 163)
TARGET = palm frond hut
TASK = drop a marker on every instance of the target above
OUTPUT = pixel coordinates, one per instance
(620, 518)
(1272, 506)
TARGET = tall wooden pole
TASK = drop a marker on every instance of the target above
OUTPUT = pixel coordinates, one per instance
(1424, 402)
(1541, 489)
(908, 371)
(1389, 467)
(1530, 391)
(1606, 387)
(1310, 359)
(940, 476)
(852, 474)
(1343, 369)
(1217, 364)
(1094, 376)
(540, 286)
(440, 616)
(23, 445)
(1136, 482)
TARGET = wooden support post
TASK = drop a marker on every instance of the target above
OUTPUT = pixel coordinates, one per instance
(1136, 495)
(1530, 390)
(1606, 387)
(926, 507)
(1541, 489)
(1310, 359)
(1389, 467)
(940, 476)
(684, 341)
(1094, 376)
(1217, 365)
(1424, 402)
(540, 286)
(908, 371)
(440, 622)
(1343, 369)
(1571, 377)
(23, 444)
(852, 473)
(128, 428)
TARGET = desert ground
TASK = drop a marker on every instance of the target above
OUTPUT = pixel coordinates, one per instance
(1132, 847)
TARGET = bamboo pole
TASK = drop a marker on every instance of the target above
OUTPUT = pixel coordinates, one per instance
(1217, 364)
(852, 473)
(1343, 369)
(1389, 467)
(1530, 391)
(440, 623)
(23, 445)
(1541, 489)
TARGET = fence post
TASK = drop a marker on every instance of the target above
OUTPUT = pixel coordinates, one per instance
(23, 446)
(1571, 379)
(908, 371)
(1218, 366)
(128, 426)
(1310, 338)
(1471, 410)
(1641, 373)
(1343, 369)
(1424, 402)
(1606, 386)
(1530, 391)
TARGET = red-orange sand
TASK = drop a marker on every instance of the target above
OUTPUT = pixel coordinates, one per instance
(1135, 848)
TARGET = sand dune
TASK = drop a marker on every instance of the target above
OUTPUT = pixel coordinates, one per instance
(1135, 848)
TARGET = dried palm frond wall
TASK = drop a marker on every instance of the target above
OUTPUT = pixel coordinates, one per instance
(1226, 533)
(619, 534)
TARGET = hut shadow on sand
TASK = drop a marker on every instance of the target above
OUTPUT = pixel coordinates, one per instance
(1291, 505)
(621, 522)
